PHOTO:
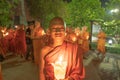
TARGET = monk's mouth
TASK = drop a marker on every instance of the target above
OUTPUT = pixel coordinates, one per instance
(58, 35)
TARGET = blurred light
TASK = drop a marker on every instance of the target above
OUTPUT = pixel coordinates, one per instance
(16, 26)
(110, 42)
(114, 11)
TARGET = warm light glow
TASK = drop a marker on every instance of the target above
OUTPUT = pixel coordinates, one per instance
(43, 32)
(74, 39)
(16, 26)
(2, 31)
(77, 34)
(114, 10)
(60, 68)
(87, 37)
(5, 34)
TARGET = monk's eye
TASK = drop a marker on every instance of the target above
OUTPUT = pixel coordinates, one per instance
(57, 29)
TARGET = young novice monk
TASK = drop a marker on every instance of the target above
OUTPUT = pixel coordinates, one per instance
(60, 60)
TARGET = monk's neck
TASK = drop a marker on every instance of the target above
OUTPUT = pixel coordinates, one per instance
(57, 43)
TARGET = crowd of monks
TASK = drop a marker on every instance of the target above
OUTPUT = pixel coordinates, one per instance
(14, 40)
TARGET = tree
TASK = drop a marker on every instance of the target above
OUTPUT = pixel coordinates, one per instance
(75, 13)
(46, 9)
(5, 11)
(112, 18)
(82, 11)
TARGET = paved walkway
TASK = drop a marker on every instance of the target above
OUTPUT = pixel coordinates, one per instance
(16, 68)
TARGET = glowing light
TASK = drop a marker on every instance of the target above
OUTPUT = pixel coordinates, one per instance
(5, 34)
(2, 31)
(59, 68)
(16, 26)
(114, 11)
(74, 39)
(77, 34)
(43, 32)
(87, 37)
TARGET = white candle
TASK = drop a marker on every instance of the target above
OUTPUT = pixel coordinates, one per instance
(60, 68)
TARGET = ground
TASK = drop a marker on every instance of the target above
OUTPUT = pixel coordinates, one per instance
(17, 68)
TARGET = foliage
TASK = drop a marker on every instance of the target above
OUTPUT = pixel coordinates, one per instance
(75, 13)
(5, 11)
(46, 9)
(82, 11)
(111, 15)
(112, 18)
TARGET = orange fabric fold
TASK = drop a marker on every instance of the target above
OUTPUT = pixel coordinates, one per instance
(72, 54)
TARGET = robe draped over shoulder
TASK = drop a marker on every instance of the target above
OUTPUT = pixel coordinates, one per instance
(72, 53)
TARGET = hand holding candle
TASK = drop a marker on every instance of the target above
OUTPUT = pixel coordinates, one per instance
(59, 68)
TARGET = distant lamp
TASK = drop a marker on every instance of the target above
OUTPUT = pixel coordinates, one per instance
(114, 11)
(110, 42)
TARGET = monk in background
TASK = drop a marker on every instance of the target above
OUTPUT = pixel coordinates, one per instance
(20, 41)
(101, 42)
(1, 78)
(61, 60)
(36, 38)
(85, 40)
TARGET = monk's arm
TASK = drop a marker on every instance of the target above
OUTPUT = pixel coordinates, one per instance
(77, 72)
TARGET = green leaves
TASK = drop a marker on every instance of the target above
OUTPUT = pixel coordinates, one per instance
(46, 9)
(82, 11)
(5, 11)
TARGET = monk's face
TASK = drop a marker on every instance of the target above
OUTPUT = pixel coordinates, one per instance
(58, 32)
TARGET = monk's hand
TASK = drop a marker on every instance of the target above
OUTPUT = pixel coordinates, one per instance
(68, 78)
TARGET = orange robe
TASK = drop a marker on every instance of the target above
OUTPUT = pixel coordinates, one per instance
(1, 78)
(37, 44)
(2, 50)
(85, 41)
(101, 42)
(72, 55)
(20, 42)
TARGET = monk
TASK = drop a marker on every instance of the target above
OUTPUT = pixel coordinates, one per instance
(1, 77)
(37, 44)
(101, 42)
(20, 41)
(2, 49)
(78, 33)
(85, 39)
(61, 60)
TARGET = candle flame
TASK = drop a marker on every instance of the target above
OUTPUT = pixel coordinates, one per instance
(43, 32)
(74, 39)
(59, 68)
(87, 37)
(77, 34)
(2, 31)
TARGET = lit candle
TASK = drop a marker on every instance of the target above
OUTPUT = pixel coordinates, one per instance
(2, 31)
(5, 34)
(59, 68)
(77, 33)
(43, 33)
(74, 39)
(87, 37)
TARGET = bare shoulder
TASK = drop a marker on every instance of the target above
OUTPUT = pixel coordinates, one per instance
(45, 50)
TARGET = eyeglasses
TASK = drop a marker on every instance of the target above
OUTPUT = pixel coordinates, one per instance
(57, 29)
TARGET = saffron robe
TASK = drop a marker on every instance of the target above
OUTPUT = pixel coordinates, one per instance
(37, 44)
(1, 77)
(20, 42)
(101, 42)
(85, 41)
(72, 55)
